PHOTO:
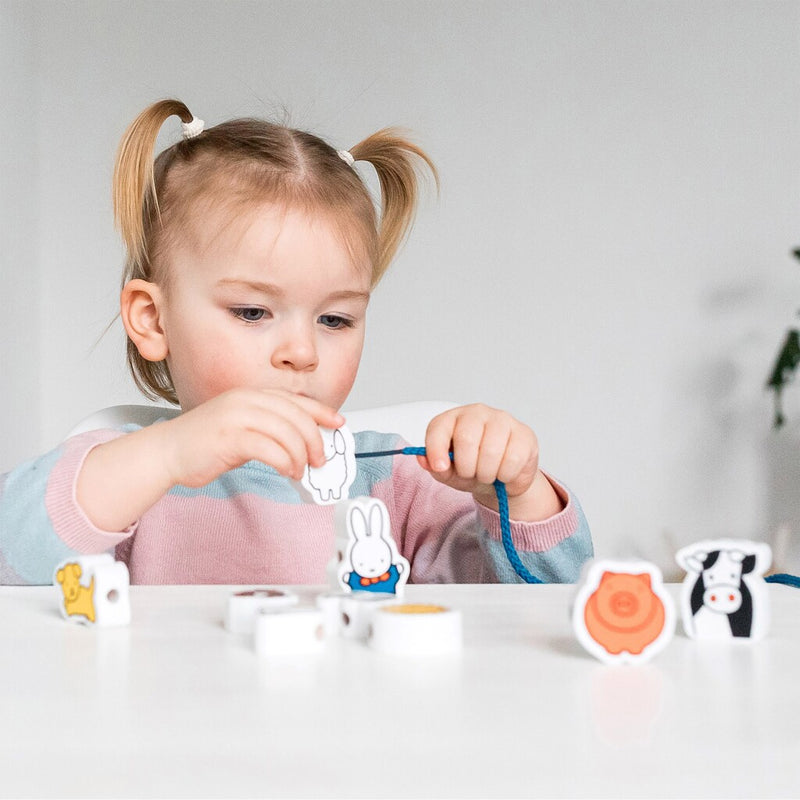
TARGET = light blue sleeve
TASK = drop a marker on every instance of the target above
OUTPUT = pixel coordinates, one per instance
(29, 547)
(560, 564)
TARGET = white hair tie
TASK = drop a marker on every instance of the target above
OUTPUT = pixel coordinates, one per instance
(193, 128)
(346, 156)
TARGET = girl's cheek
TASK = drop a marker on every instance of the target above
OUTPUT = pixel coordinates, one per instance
(219, 372)
(342, 379)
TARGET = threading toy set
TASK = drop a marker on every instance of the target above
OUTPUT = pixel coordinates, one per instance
(621, 613)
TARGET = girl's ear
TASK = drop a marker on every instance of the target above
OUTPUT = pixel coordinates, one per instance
(140, 309)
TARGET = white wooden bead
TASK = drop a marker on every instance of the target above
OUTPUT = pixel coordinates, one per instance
(93, 590)
(415, 629)
(724, 595)
(288, 632)
(356, 612)
(243, 606)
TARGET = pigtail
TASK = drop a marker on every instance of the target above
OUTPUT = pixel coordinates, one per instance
(133, 187)
(135, 207)
(397, 162)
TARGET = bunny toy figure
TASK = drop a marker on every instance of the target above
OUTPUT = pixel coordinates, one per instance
(371, 562)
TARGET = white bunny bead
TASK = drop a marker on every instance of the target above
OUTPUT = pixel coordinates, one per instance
(372, 562)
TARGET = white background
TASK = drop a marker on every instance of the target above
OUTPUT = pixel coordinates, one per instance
(608, 258)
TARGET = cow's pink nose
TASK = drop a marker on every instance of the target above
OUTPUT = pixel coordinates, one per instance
(723, 601)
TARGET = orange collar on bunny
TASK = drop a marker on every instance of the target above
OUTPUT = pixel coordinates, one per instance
(379, 579)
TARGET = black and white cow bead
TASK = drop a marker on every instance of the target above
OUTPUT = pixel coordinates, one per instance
(724, 595)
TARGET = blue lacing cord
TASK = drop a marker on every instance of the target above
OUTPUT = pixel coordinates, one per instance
(505, 525)
(502, 505)
(785, 579)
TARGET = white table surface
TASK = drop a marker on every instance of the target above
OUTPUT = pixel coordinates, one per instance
(174, 706)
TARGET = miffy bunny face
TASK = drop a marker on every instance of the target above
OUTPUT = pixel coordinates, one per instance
(372, 558)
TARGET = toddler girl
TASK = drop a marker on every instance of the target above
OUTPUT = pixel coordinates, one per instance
(252, 250)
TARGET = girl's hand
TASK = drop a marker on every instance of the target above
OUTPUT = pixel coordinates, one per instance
(278, 428)
(122, 478)
(489, 445)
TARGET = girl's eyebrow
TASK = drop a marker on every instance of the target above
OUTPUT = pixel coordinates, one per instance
(258, 286)
(276, 291)
(348, 294)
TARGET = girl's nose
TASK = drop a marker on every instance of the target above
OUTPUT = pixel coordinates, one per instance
(297, 351)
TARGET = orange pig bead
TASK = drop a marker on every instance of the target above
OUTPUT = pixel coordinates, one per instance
(623, 612)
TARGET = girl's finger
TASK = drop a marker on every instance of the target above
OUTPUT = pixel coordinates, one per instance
(323, 415)
(521, 456)
(495, 441)
(306, 415)
(285, 434)
(437, 442)
(268, 451)
(467, 437)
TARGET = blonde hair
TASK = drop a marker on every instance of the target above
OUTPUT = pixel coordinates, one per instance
(247, 162)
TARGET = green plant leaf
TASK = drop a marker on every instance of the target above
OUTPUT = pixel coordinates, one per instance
(785, 366)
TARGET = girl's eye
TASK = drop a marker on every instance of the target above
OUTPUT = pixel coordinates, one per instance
(249, 314)
(334, 321)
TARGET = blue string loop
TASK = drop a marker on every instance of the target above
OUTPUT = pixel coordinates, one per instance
(785, 579)
(505, 524)
(502, 505)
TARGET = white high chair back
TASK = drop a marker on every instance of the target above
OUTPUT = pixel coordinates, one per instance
(410, 420)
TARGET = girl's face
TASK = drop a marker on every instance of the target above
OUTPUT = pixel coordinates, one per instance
(275, 302)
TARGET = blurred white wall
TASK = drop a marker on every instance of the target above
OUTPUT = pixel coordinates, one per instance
(21, 269)
(608, 259)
